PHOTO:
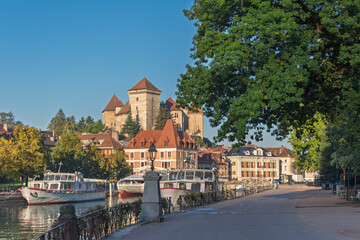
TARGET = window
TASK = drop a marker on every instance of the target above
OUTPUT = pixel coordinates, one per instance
(247, 153)
(162, 155)
(137, 99)
(285, 168)
(169, 155)
(132, 164)
(176, 115)
(269, 154)
(131, 155)
(142, 144)
(142, 164)
(285, 161)
(142, 155)
(165, 164)
(166, 143)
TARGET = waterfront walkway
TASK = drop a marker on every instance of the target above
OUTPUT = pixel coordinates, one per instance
(290, 212)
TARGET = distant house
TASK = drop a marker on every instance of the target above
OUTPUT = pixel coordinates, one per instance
(253, 163)
(5, 131)
(286, 161)
(175, 149)
(103, 142)
(50, 138)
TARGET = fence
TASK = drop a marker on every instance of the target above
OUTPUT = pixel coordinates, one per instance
(100, 223)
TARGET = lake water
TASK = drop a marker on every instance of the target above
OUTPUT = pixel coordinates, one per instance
(20, 221)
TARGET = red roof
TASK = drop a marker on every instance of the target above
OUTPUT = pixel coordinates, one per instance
(145, 84)
(167, 138)
(281, 152)
(171, 104)
(124, 110)
(114, 102)
(101, 140)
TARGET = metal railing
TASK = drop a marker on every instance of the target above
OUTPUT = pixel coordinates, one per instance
(57, 232)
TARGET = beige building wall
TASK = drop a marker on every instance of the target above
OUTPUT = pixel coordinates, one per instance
(120, 121)
(255, 168)
(196, 124)
(109, 119)
(145, 104)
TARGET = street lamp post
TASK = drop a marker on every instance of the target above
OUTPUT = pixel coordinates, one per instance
(152, 155)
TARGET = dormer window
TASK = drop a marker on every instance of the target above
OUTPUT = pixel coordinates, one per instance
(166, 143)
(142, 144)
(247, 153)
(269, 154)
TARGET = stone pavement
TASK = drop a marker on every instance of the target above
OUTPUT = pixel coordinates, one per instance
(290, 212)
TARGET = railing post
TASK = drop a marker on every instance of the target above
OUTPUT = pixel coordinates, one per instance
(180, 203)
(70, 231)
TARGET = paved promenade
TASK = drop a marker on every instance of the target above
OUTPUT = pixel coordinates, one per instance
(290, 212)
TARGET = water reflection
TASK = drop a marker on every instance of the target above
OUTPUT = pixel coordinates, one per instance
(20, 221)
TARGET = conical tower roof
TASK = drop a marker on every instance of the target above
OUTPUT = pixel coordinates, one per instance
(144, 84)
(114, 102)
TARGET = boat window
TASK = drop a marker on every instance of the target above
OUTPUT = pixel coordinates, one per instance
(46, 178)
(208, 175)
(71, 178)
(46, 185)
(51, 177)
(57, 177)
(182, 185)
(63, 177)
(36, 185)
(181, 175)
(54, 186)
(190, 175)
(199, 175)
(195, 187)
(172, 176)
(65, 186)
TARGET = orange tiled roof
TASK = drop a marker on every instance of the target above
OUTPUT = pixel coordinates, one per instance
(144, 84)
(171, 104)
(280, 152)
(113, 103)
(124, 110)
(169, 135)
(107, 141)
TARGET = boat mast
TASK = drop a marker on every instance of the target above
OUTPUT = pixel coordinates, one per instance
(60, 164)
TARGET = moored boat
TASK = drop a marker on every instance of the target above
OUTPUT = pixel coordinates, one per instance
(131, 185)
(184, 181)
(62, 188)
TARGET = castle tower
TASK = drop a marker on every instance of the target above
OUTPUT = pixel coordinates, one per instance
(144, 99)
(108, 114)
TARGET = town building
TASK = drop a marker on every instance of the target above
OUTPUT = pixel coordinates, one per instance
(175, 149)
(50, 138)
(253, 163)
(103, 142)
(144, 103)
(287, 160)
(5, 131)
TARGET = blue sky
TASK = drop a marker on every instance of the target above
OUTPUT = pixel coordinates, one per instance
(76, 54)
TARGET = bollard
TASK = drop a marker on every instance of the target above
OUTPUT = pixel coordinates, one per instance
(67, 214)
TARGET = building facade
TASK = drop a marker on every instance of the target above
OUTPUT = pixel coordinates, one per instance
(103, 142)
(175, 150)
(144, 103)
(252, 163)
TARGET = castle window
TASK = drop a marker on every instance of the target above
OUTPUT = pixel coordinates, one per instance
(176, 115)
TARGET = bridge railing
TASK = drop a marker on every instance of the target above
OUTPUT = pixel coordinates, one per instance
(58, 232)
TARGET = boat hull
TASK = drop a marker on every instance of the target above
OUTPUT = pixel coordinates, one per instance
(127, 190)
(42, 196)
(174, 193)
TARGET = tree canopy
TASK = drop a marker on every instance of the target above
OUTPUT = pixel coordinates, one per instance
(162, 117)
(271, 64)
(9, 118)
(24, 155)
(131, 126)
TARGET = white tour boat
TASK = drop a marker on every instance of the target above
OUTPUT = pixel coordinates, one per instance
(184, 181)
(63, 187)
(131, 185)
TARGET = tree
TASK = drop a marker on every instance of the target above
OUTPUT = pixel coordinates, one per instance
(271, 64)
(57, 123)
(89, 120)
(24, 155)
(162, 117)
(130, 127)
(81, 125)
(95, 127)
(9, 118)
(69, 151)
(114, 166)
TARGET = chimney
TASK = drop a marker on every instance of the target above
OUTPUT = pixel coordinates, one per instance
(115, 135)
(5, 126)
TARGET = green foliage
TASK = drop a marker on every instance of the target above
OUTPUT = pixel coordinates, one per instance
(162, 117)
(131, 127)
(24, 155)
(89, 161)
(95, 127)
(9, 118)
(200, 142)
(271, 63)
(57, 123)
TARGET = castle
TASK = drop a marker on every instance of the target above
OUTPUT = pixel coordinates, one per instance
(144, 103)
